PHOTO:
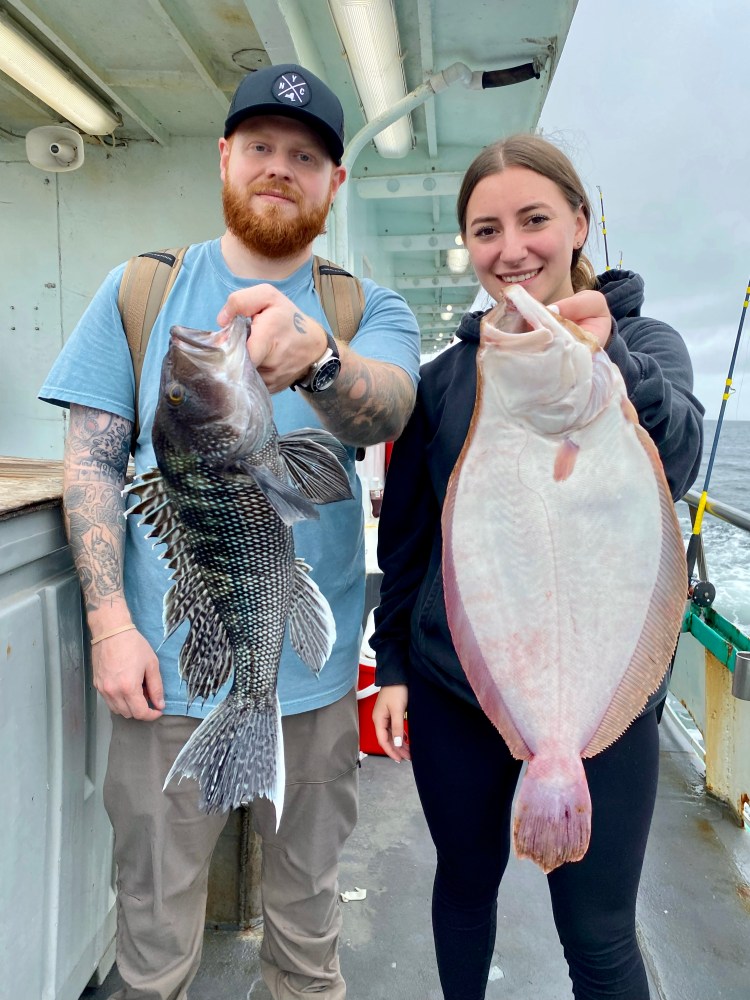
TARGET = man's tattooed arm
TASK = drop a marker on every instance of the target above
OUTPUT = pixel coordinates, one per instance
(96, 458)
(369, 402)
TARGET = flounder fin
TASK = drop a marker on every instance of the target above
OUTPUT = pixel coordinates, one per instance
(313, 460)
(552, 821)
(312, 628)
(289, 503)
(470, 655)
(206, 657)
(661, 629)
(236, 755)
(565, 460)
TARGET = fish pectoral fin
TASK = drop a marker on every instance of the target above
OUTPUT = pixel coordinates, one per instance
(312, 629)
(313, 460)
(565, 460)
(288, 502)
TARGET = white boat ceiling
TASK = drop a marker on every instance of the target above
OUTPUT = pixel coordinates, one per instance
(167, 68)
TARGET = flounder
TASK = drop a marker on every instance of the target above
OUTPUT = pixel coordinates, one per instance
(564, 567)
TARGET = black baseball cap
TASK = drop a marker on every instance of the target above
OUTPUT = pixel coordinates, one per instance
(294, 92)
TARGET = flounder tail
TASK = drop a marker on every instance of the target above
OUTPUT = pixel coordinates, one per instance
(553, 813)
(236, 755)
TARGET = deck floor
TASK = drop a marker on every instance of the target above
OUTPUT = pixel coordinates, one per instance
(694, 907)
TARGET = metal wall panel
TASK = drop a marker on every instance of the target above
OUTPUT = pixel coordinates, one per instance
(57, 918)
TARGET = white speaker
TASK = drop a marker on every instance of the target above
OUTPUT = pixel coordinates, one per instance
(54, 148)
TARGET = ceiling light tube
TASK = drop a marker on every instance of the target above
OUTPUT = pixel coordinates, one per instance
(30, 66)
(370, 36)
(457, 259)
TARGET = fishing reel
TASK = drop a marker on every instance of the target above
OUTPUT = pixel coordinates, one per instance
(701, 593)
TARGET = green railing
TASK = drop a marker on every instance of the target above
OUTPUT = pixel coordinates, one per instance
(702, 680)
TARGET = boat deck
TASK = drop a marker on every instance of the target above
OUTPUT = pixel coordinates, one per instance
(694, 909)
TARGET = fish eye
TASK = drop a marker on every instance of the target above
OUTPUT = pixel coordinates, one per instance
(175, 394)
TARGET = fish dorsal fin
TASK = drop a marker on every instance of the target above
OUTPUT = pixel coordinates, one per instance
(661, 628)
(313, 459)
(155, 509)
(312, 629)
(187, 599)
(289, 503)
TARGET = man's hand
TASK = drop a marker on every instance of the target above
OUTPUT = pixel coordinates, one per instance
(283, 341)
(388, 717)
(127, 676)
(589, 310)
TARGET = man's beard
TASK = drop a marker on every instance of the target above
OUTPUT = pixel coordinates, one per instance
(269, 232)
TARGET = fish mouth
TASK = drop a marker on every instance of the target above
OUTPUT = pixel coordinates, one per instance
(184, 337)
(200, 344)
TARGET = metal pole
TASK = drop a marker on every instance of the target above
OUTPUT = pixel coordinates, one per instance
(604, 229)
(694, 542)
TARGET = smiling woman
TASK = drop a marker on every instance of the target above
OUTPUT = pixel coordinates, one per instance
(520, 229)
(524, 217)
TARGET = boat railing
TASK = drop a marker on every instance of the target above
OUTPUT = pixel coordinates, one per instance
(712, 654)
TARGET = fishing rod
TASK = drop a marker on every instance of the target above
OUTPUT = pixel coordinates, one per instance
(604, 229)
(695, 538)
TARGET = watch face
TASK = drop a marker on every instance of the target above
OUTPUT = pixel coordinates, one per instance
(326, 375)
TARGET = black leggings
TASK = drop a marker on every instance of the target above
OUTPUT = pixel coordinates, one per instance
(466, 779)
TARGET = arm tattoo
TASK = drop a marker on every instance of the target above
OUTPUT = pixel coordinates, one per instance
(369, 402)
(96, 459)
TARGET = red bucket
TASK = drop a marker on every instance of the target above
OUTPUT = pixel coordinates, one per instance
(366, 694)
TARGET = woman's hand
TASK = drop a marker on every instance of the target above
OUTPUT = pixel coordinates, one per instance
(589, 310)
(388, 717)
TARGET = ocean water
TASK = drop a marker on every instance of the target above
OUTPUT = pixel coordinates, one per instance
(727, 548)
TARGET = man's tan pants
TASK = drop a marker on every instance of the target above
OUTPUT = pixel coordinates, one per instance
(163, 847)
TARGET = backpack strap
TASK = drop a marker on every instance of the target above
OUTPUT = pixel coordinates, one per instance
(341, 296)
(146, 283)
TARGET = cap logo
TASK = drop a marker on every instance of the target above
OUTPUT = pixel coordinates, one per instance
(291, 88)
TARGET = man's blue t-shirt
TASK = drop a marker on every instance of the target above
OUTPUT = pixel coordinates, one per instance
(94, 369)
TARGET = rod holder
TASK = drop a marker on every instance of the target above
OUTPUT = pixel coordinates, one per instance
(741, 675)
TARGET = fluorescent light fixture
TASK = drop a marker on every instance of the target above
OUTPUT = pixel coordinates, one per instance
(30, 66)
(370, 35)
(457, 259)
(446, 315)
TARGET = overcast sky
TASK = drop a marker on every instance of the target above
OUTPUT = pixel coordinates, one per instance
(650, 100)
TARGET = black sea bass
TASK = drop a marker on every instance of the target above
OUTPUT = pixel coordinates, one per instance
(564, 567)
(223, 499)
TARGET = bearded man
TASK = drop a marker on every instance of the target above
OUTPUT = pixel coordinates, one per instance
(280, 163)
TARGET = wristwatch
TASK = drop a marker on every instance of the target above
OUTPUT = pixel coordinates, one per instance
(324, 372)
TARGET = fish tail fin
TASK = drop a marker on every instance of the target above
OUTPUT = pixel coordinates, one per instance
(553, 813)
(236, 755)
